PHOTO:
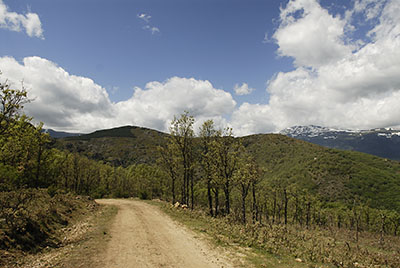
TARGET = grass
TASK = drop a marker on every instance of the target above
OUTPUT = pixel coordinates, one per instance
(226, 239)
(284, 246)
(85, 251)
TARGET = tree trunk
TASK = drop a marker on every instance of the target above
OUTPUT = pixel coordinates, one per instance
(227, 198)
(216, 193)
(244, 194)
(173, 190)
(286, 205)
(255, 210)
(209, 196)
(39, 163)
(274, 209)
(308, 214)
(192, 189)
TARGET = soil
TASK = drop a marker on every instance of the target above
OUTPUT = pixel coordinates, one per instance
(143, 236)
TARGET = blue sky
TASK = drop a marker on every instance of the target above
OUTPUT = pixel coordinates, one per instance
(96, 64)
(219, 41)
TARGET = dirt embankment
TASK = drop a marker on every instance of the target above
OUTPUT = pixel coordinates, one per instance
(143, 236)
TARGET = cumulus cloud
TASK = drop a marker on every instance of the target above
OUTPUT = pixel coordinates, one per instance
(334, 82)
(310, 35)
(357, 89)
(157, 104)
(369, 8)
(73, 103)
(244, 89)
(17, 22)
(60, 99)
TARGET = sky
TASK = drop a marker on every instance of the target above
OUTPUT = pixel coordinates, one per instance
(258, 66)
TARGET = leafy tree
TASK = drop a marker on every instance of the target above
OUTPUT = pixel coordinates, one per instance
(225, 155)
(11, 103)
(170, 163)
(22, 144)
(207, 136)
(181, 143)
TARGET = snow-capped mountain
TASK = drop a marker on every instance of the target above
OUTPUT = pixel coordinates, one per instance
(309, 131)
(383, 142)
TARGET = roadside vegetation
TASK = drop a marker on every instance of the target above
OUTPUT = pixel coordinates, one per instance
(282, 197)
(33, 221)
(275, 245)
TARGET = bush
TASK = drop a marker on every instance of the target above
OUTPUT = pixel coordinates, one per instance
(144, 195)
(30, 218)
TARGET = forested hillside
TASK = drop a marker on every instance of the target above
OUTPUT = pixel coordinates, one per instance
(122, 146)
(259, 180)
(335, 175)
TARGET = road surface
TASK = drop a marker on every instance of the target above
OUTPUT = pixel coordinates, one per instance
(143, 236)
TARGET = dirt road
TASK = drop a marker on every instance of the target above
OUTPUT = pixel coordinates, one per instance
(143, 236)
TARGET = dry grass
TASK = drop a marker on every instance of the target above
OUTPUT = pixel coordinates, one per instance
(69, 242)
(286, 246)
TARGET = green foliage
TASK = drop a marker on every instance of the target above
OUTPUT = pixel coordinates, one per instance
(181, 146)
(316, 247)
(119, 147)
(293, 184)
(22, 144)
(11, 102)
(332, 175)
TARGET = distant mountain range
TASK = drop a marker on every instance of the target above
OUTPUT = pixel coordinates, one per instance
(381, 142)
(60, 134)
(334, 175)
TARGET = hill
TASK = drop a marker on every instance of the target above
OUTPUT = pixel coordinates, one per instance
(334, 175)
(60, 134)
(120, 146)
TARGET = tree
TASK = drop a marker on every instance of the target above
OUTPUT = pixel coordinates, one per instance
(246, 176)
(181, 142)
(207, 136)
(170, 163)
(22, 144)
(225, 154)
(11, 103)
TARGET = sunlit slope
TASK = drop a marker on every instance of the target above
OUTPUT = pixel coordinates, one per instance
(329, 174)
(118, 146)
(335, 175)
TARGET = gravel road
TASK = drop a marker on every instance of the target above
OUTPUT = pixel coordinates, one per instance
(143, 236)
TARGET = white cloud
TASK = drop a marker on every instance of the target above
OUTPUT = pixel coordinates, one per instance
(16, 22)
(144, 17)
(153, 30)
(157, 104)
(370, 8)
(243, 89)
(358, 89)
(73, 103)
(60, 99)
(333, 84)
(310, 35)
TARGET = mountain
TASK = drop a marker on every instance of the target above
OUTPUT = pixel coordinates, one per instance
(334, 175)
(381, 142)
(121, 146)
(60, 134)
